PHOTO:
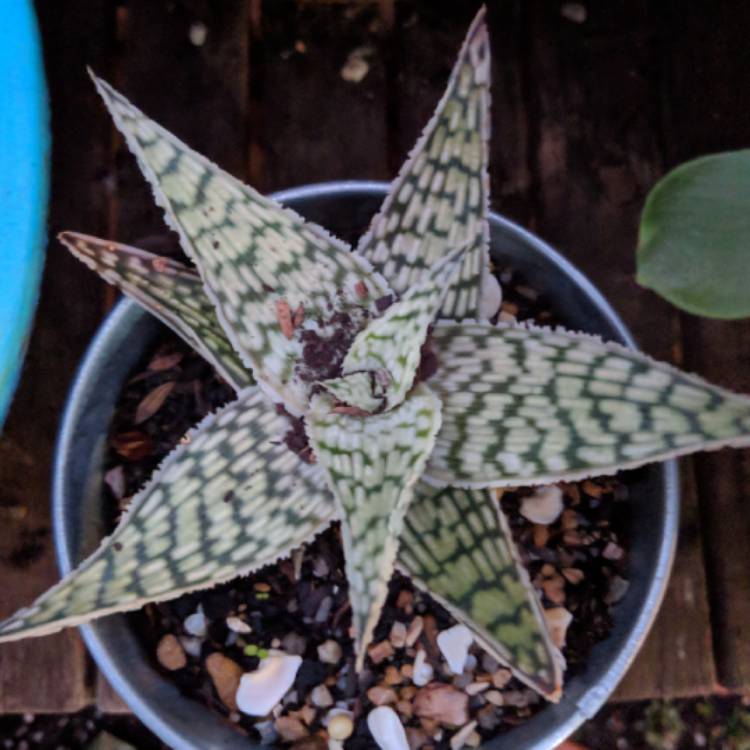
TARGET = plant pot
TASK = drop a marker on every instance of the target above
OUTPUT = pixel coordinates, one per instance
(128, 333)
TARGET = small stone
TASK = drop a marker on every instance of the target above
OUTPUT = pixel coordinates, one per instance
(311, 742)
(398, 635)
(423, 671)
(459, 738)
(554, 589)
(454, 645)
(261, 690)
(321, 697)
(613, 551)
(443, 703)
(540, 535)
(405, 708)
(415, 630)
(237, 625)
(267, 731)
(381, 696)
(495, 697)
(558, 619)
(321, 568)
(340, 726)
(618, 587)
(356, 66)
(196, 624)
(290, 729)
(569, 520)
(405, 601)
(294, 644)
(225, 675)
(489, 717)
(415, 737)
(393, 675)
(573, 575)
(544, 506)
(501, 677)
(474, 739)
(407, 671)
(170, 653)
(386, 729)
(329, 652)
(575, 12)
(192, 646)
(474, 688)
(489, 662)
(381, 651)
(324, 610)
(518, 698)
(490, 295)
(198, 33)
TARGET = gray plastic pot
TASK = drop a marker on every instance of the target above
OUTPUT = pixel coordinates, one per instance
(345, 208)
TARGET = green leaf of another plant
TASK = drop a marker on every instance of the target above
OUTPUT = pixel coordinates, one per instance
(694, 245)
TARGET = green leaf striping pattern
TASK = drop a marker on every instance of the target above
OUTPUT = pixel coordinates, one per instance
(391, 344)
(532, 405)
(230, 500)
(251, 253)
(457, 546)
(169, 290)
(372, 465)
(439, 200)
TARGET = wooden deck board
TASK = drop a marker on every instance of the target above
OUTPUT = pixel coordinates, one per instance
(49, 674)
(595, 120)
(706, 74)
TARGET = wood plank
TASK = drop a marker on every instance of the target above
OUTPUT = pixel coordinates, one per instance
(594, 111)
(706, 72)
(49, 674)
(314, 124)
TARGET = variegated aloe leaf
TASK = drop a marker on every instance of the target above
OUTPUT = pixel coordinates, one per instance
(169, 290)
(260, 263)
(439, 200)
(390, 346)
(372, 465)
(457, 546)
(231, 499)
(533, 405)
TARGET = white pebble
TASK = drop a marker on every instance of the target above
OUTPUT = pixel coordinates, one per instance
(340, 726)
(321, 696)
(261, 690)
(196, 624)
(238, 625)
(558, 619)
(387, 729)
(491, 295)
(198, 33)
(454, 645)
(459, 738)
(423, 670)
(329, 652)
(544, 506)
(192, 646)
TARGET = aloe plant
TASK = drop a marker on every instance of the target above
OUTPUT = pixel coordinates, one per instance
(337, 415)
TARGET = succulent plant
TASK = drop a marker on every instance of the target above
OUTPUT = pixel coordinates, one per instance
(373, 390)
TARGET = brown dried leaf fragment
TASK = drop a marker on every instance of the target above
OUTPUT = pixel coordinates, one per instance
(132, 444)
(153, 401)
(163, 362)
(284, 317)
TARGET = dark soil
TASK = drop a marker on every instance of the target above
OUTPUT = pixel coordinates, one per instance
(297, 608)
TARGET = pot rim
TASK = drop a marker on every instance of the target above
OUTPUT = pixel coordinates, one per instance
(586, 704)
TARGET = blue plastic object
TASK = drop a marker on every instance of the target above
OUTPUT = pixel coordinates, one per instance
(24, 184)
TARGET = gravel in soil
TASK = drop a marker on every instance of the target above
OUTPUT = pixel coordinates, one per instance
(578, 563)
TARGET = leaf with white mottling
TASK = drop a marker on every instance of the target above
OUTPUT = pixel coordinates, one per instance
(372, 464)
(390, 347)
(439, 200)
(525, 405)
(234, 498)
(169, 290)
(253, 255)
(457, 545)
